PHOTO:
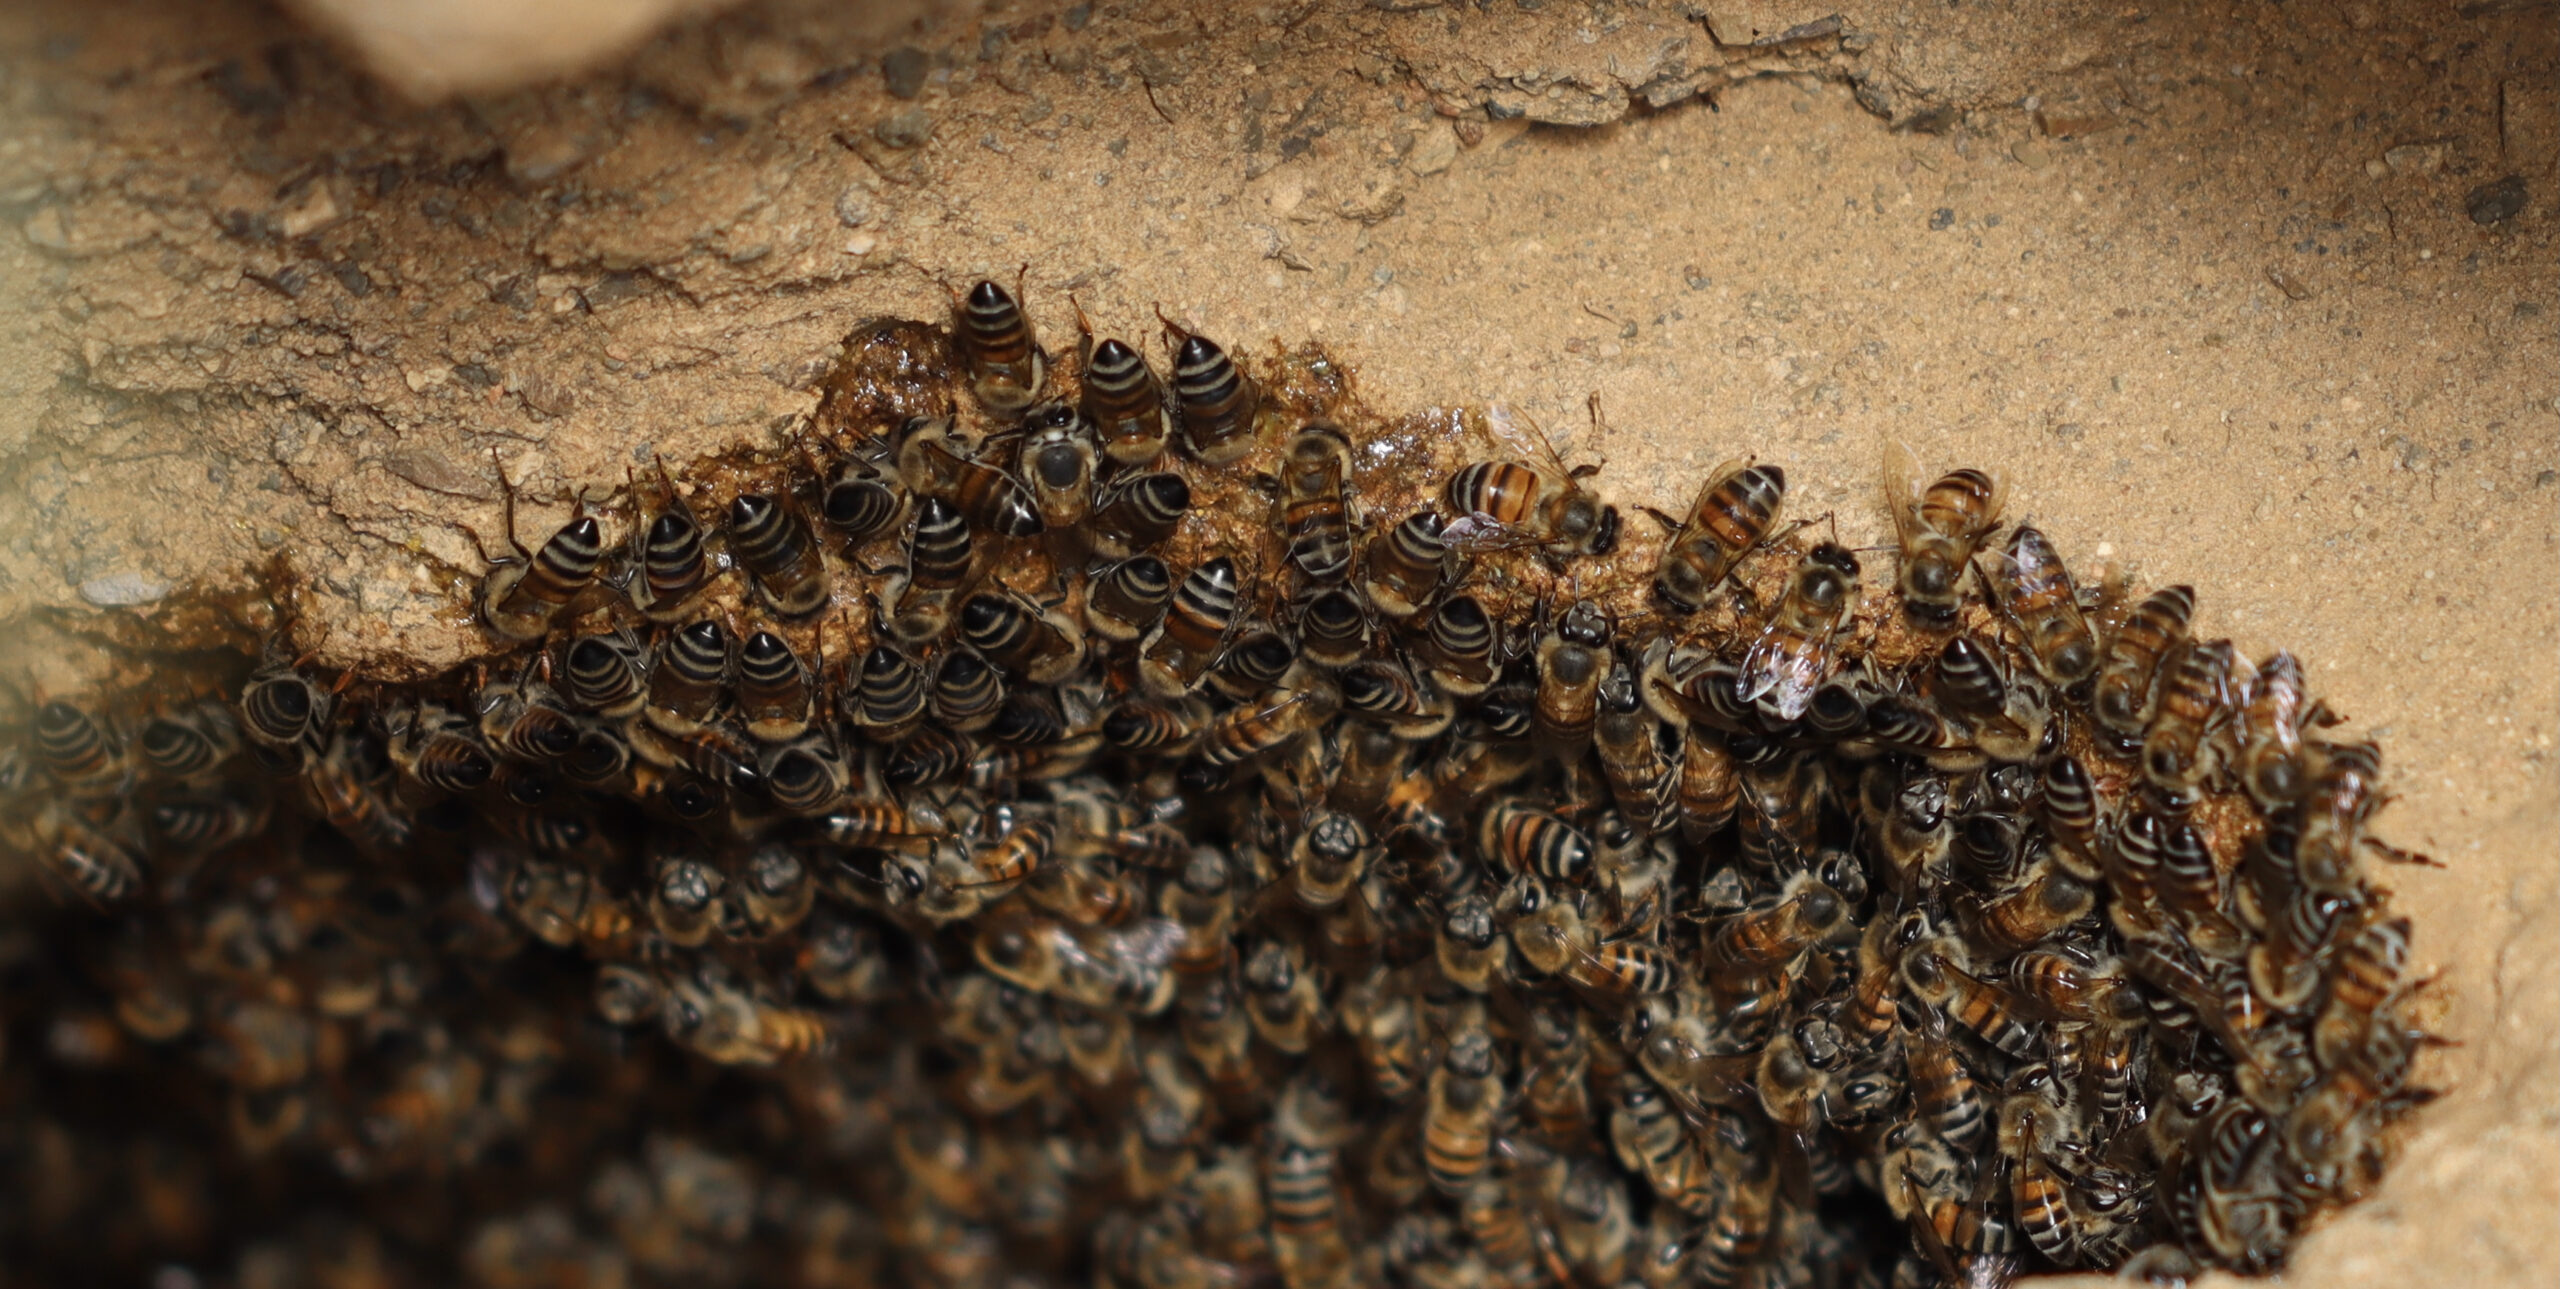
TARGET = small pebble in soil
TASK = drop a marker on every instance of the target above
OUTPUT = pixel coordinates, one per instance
(903, 69)
(2497, 202)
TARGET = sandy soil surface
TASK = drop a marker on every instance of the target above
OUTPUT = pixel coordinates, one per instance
(2234, 298)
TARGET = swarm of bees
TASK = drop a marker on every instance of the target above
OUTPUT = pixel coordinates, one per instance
(1164, 826)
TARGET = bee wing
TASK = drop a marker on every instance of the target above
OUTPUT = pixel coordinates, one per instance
(1147, 944)
(1902, 492)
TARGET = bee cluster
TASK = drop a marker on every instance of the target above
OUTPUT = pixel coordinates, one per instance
(1194, 834)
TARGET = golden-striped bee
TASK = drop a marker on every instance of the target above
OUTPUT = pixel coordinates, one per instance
(1736, 509)
(1939, 527)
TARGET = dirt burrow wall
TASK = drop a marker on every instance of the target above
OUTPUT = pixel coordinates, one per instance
(2254, 298)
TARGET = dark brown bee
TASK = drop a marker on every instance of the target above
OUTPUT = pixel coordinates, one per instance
(1405, 564)
(526, 719)
(81, 753)
(2032, 587)
(522, 596)
(1282, 719)
(1459, 641)
(1458, 1119)
(1389, 694)
(672, 567)
(1219, 405)
(773, 542)
(889, 693)
(1315, 502)
(1644, 773)
(92, 861)
(1124, 600)
(189, 743)
(341, 784)
(282, 709)
(689, 685)
(1007, 367)
(1136, 512)
(1939, 527)
(1933, 971)
(1059, 462)
(1195, 627)
(862, 498)
(774, 689)
(1793, 654)
(1039, 644)
(1709, 790)
(1123, 399)
(607, 675)
(940, 560)
(1573, 658)
(2129, 666)
(1333, 629)
(1736, 508)
(440, 749)
(2034, 910)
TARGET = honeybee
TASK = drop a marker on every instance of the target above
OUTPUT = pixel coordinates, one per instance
(863, 499)
(1459, 641)
(667, 552)
(724, 1022)
(1405, 565)
(2005, 716)
(1059, 462)
(2192, 699)
(2031, 586)
(607, 675)
(340, 784)
(1505, 505)
(2129, 665)
(1333, 628)
(2342, 796)
(1196, 625)
(1523, 839)
(1935, 972)
(775, 692)
(98, 865)
(1119, 968)
(1036, 642)
(522, 595)
(1573, 660)
(1644, 774)
(1773, 932)
(1736, 508)
(190, 744)
(2363, 978)
(773, 543)
(439, 750)
(1948, 1100)
(1793, 656)
(1123, 399)
(1219, 405)
(1315, 502)
(1469, 944)
(1939, 530)
(2034, 909)
(1007, 367)
(1282, 996)
(1284, 718)
(1465, 1097)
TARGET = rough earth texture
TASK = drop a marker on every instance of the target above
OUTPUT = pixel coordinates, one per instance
(2260, 299)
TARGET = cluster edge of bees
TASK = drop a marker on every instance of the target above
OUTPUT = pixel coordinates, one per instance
(1186, 832)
